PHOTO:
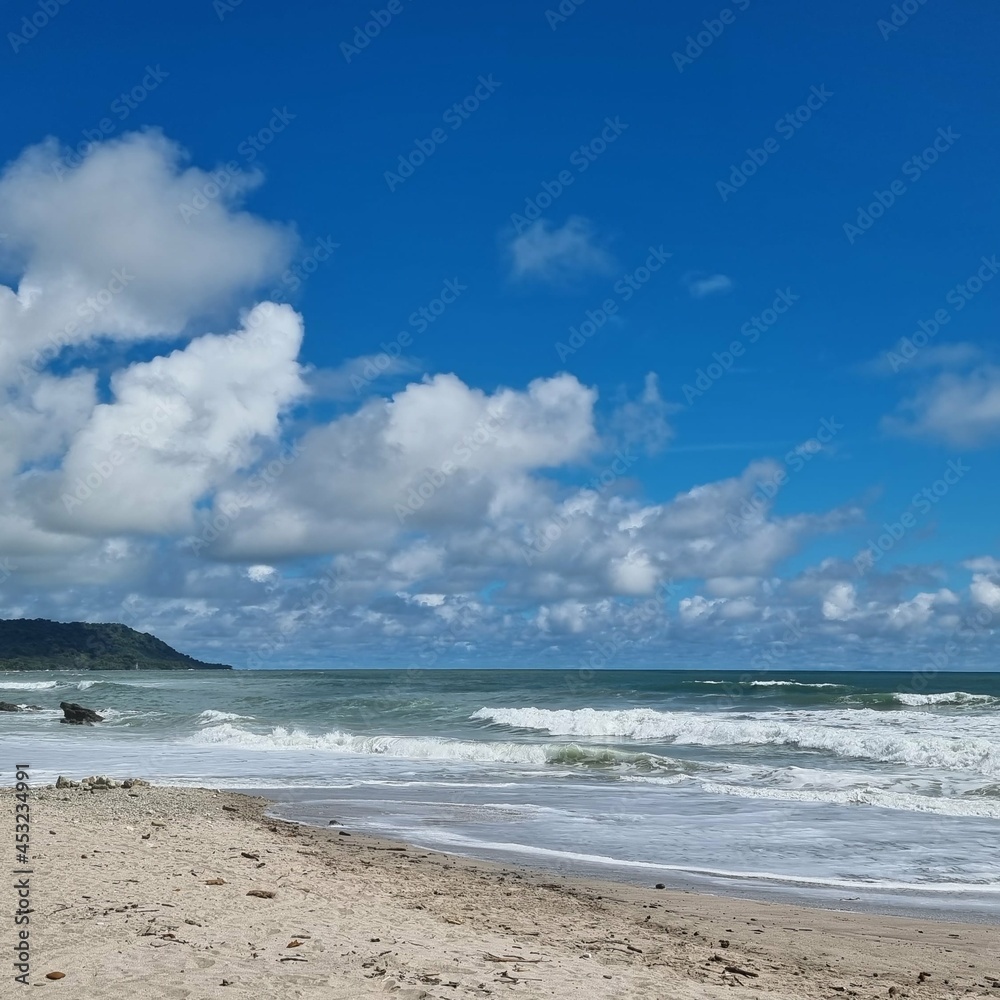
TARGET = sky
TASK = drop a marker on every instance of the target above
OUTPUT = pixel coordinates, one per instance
(432, 334)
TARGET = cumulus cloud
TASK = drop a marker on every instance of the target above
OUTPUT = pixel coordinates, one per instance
(436, 453)
(190, 493)
(985, 591)
(103, 248)
(983, 564)
(546, 253)
(961, 410)
(176, 428)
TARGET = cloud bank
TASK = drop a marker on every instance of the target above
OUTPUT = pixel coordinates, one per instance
(193, 493)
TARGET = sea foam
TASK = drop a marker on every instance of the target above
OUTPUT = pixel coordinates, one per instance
(889, 737)
(433, 748)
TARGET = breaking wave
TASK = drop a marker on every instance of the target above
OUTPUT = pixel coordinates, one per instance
(736, 683)
(948, 698)
(433, 748)
(857, 733)
(212, 715)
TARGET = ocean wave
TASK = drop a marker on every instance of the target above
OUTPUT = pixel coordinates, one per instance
(28, 685)
(736, 683)
(432, 748)
(117, 715)
(863, 795)
(947, 698)
(858, 733)
(213, 715)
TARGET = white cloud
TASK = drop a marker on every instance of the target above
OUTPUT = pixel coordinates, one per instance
(962, 410)
(733, 586)
(642, 422)
(985, 592)
(983, 564)
(357, 378)
(701, 286)
(103, 247)
(437, 453)
(634, 574)
(443, 518)
(840, 602)
(904, 357)
(177, 427)
(545, 253)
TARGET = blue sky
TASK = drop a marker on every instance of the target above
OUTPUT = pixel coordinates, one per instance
(529, 164)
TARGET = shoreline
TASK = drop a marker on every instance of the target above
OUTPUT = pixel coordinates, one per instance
(969, 907)
(147, 888)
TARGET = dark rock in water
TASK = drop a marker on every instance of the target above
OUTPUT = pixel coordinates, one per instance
(6, 706)
(77, 715)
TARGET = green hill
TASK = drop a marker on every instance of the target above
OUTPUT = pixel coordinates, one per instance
(39, 644)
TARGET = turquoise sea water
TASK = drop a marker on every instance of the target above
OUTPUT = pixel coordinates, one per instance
(849, 788)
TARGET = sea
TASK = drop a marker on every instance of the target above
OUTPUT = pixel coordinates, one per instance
(876, 791)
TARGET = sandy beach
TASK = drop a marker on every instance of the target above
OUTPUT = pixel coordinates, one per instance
(172, 893)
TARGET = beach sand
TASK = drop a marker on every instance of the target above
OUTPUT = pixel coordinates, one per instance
(143, 893)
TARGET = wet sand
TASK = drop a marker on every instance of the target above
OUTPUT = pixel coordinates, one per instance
(177, 893)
